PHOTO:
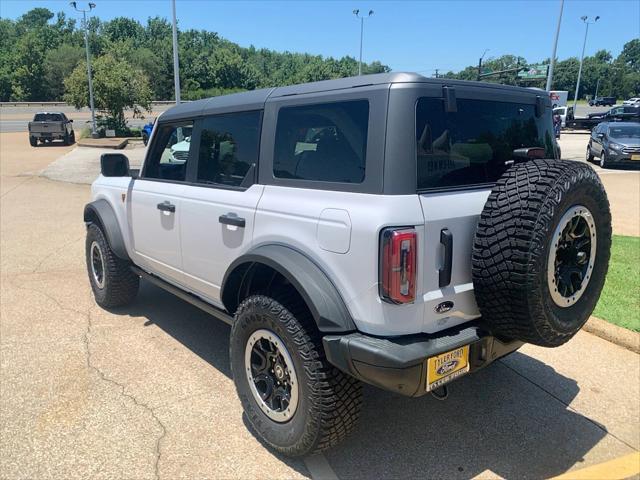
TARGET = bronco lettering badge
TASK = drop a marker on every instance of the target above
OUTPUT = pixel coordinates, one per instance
(443, 307)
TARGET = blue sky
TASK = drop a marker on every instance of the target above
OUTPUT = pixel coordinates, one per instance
(411, 36)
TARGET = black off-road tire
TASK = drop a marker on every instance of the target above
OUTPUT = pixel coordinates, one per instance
(513, 242)
(72, 138)
(33, 141)
(120, 285)
(329, 400)
(145, 138)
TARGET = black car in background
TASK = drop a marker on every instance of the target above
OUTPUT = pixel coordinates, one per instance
(619, 113)
(602, 101)
(615, 143)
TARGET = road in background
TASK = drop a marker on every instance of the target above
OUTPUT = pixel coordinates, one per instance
(16, 119)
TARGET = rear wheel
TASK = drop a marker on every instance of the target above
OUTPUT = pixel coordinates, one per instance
(541, 251)
(33, 141)
(296, 401)
(145, 138)
(589, 154)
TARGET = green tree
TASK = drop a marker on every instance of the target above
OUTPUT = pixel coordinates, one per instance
(117, 86)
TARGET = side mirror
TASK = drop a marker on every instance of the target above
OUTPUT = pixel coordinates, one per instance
(114, 165)
(71, 120)
(601, 136)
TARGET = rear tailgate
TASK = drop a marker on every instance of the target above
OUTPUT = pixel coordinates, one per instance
(449, 218)
(53, 128)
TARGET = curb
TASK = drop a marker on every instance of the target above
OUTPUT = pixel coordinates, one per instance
(115, 143)
(620, 336)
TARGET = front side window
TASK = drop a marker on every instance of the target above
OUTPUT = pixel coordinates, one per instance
(323, 142)
(474, 145)
(228, 148)
(170, 152)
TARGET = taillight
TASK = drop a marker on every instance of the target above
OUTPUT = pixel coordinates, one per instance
(398, 265)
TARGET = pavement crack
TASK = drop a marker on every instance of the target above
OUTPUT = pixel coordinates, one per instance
(86, 339)
(57, 250)
(103, 376)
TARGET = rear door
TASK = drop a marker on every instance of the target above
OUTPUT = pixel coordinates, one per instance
(461, 151)
(218, 206)
(156, 202)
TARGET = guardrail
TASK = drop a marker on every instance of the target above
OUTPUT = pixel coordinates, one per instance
(64, 104)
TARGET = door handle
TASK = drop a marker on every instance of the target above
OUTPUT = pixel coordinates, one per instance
(166, 206)
(444, 274)
(232, 219)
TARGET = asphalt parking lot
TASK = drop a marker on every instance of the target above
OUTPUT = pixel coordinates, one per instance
(145, 392)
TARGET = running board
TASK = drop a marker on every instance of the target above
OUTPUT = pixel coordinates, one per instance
(186, 296)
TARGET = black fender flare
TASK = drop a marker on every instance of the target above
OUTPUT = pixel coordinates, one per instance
(321, 296)
(101, 212)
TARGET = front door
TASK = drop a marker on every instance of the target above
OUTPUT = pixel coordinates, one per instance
(156, 203)
(219, 204)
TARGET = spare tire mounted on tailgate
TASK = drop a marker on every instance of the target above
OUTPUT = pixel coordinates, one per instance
(541, 251)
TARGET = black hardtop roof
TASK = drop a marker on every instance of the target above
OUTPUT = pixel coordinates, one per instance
(255, 99)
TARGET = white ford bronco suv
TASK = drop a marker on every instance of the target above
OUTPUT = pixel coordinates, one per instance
(390, 229)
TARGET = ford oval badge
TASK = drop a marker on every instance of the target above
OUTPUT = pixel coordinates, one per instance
(443, 307)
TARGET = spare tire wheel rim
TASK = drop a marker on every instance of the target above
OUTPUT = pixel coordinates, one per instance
(271, 375)
(571, 256)
(97, 264)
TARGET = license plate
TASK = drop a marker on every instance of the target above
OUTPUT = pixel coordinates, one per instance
(46, 134)
(446, 367)
(635, 157)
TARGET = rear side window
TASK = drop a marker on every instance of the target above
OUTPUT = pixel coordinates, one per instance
(470, 147)
(323, 142)
(228, 148)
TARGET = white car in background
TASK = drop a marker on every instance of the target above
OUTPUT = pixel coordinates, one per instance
(632, 101)
(563, 112)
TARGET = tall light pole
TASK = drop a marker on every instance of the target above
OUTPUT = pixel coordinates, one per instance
(357, 14)
(586, 21)
(94, 132)
(480, 63)
(555, 47)
(176, 64)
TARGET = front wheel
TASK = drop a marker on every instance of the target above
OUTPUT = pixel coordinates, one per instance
(145, 138)
(296, 401)
(604, 161)
(112, 281)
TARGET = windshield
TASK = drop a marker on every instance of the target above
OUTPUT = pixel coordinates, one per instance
(625, 131)
(559, 111)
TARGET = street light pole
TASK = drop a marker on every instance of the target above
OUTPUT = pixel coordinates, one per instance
(176, 64)
(480, 64)
(94, 132)
(555, 47)
(357, 14)
(585, 19)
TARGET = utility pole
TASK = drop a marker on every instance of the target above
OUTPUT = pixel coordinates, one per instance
(357, 14)
(94, 131)
(480, 64)
(597, 85)
(176, 64)
(555, 47)
(585, 19)
(436, 73)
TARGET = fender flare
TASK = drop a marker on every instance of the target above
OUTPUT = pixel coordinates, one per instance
(321, 296)
(106, 218)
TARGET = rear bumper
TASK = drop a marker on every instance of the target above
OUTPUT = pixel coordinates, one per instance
(53, 135)
(399, 364)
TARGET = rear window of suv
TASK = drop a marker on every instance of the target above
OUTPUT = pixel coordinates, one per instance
(470, 147)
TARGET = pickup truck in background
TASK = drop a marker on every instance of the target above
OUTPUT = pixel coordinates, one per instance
(49, 126)
(620, 113)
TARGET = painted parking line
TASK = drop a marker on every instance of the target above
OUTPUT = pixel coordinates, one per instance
(618, 469)
(319, 467)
